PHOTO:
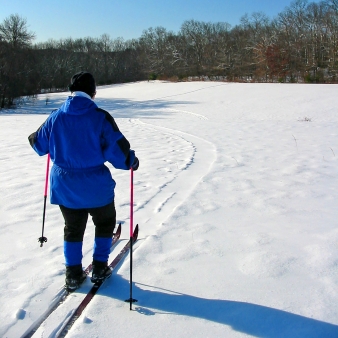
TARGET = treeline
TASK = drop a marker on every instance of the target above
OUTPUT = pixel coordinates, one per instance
(299, 45)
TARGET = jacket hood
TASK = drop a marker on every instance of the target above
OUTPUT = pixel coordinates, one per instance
(77, 105)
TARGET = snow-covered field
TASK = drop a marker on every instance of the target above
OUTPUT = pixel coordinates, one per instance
(237, 202)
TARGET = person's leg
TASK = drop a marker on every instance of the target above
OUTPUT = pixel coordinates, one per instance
(104, 219)
(75, 226)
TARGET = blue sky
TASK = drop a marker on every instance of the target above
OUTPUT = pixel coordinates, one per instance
(128, 18)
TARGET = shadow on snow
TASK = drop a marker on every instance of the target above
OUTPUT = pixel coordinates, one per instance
(118, 108)
(251, 319)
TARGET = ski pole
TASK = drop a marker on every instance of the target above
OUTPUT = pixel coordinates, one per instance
(131, 300)
(43, 239)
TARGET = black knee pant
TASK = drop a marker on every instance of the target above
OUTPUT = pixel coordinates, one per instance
(104, 219)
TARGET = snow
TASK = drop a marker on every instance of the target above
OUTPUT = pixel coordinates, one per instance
(236, 198)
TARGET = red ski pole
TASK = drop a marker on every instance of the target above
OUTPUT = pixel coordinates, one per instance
(43, 239)
(131, 300)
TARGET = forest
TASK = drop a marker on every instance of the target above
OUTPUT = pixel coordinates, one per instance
(299, 45)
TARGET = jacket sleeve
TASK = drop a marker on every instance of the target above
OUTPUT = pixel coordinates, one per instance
(39, 140)
(115, 147)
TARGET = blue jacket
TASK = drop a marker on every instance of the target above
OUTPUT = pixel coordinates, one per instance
(80, 138)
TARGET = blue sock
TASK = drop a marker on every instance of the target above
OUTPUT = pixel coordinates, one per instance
(102, 248)
(72, 252)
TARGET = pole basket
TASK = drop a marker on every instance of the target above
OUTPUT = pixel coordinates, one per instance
(42, 240)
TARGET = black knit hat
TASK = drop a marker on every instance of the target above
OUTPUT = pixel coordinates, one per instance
(84, 82)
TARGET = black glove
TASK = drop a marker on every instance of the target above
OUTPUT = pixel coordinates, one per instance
(135, 164)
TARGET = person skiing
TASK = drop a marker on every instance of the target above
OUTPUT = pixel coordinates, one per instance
(80, 137)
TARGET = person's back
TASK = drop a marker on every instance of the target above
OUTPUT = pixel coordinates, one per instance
(81, 138)
(76, 137)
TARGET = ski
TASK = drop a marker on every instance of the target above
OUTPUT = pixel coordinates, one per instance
(90, 295)
(63, 294)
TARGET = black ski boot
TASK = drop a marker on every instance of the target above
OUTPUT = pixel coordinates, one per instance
(75, 276)
(101, 271)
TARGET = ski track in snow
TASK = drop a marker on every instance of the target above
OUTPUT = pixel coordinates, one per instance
(157, 110)
(174, 192)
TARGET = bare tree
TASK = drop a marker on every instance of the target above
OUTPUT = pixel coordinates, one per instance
(14, 30)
